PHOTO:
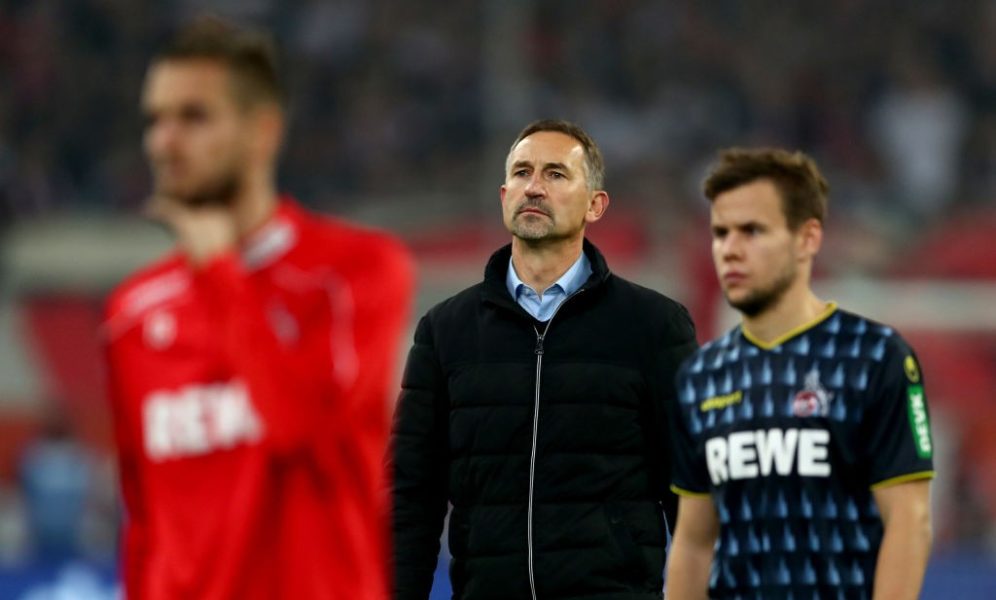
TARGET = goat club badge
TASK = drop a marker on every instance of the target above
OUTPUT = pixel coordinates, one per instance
(814, 399)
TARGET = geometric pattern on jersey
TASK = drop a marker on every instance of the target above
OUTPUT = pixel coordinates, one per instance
(788, 439)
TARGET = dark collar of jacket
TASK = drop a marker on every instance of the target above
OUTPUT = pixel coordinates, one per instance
(494, 289)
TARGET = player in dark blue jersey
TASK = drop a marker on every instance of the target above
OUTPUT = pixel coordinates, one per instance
(802, 448)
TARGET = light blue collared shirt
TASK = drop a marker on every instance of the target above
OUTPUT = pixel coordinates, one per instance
(543, 307)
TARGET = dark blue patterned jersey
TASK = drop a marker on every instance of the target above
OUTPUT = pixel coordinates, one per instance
(789, 439)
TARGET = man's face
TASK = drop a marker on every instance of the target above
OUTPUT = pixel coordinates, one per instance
(195, 139)
(755, 253)
(546, 195)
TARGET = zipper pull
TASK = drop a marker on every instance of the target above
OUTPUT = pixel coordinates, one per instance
(539, 344)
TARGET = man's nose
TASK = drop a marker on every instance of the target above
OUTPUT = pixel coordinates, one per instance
(731, 246)
(534, 187)
(161, 137)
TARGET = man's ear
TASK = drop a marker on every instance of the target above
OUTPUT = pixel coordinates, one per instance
(597, 206)
(269, 124)
(810, 238)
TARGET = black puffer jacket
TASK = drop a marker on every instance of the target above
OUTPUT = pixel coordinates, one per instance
(547, 438)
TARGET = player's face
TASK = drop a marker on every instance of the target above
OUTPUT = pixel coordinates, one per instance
(195, 138)
(546, 195)
(755, 253)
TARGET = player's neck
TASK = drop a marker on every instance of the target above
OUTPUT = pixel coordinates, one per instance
(254, 208)
(797, 307)
(540, 265)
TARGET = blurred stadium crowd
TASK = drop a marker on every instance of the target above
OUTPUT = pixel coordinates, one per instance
(397, 101)
(896, 99)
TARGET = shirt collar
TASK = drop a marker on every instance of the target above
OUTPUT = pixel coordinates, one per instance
(271, 241)
(569, 282)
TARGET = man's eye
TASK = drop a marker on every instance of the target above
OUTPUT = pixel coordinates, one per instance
(194, 115)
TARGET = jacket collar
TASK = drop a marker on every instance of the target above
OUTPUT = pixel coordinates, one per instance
(495, 290)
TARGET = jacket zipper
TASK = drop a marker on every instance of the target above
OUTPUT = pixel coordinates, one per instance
(540, 337)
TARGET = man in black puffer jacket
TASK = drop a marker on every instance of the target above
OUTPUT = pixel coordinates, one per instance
(534, 403)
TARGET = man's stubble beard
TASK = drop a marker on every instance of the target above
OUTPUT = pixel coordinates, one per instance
(539, 229)
(218, 192)
(760, 300)
(531, 232)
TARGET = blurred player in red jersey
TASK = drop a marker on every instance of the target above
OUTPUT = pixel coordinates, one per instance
(250, 369)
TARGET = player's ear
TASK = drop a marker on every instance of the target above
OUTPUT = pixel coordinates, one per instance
(269, 125)
(810, 238)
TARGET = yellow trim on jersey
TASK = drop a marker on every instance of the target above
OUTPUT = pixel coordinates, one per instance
(689, 493)
(829, 310)
(903, 479)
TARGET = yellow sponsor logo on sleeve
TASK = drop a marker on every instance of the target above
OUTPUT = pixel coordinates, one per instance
(718, 402)
(912, 369)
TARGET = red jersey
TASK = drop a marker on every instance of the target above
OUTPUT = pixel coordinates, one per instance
(251, 412)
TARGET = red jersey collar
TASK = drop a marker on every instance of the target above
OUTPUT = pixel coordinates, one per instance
(273, 239)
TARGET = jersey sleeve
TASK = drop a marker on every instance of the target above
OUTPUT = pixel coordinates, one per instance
(134, 532)
(689, 474)
(897, 424)
(382, 295)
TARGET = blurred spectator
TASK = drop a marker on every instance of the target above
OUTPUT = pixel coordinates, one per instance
(979, 166)
(13, 529)
(395, 87)
(55, 474)
(919, 126)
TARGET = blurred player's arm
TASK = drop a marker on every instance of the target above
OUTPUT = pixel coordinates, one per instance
(202, 233)
(419, 467)
(134, 533)
(381, 294)
(291, 390)
(691, 554)
(382, 298)
(900, 458)
(207, 236)
(375, 306)
(902, 559)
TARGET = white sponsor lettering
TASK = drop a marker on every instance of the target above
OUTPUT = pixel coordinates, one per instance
(749, 454)
(777, 448)
(716, 452)
(198, 419)
(743, 455)
(813, 453)
(921, 425)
